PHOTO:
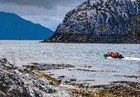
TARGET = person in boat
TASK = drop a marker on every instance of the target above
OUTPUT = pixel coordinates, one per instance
(113, 55)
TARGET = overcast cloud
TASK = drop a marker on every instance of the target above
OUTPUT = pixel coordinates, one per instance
(48, 13)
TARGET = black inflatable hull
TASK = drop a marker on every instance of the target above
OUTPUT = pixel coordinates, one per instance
(120, 57)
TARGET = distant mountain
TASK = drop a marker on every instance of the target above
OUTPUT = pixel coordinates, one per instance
(13, 27)
(101, 21)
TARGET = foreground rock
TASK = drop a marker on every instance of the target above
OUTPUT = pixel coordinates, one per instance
(30, 81)
(115, 89)
(101, 21)
(19, 82)
(76, 89)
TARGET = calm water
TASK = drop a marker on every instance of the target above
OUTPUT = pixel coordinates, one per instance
(25, 52)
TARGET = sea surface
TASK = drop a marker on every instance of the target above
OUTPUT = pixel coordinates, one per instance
(101, 70)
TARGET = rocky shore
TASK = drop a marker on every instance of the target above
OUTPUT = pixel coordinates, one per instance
(91, 38)
(32, 81)
(21, 82)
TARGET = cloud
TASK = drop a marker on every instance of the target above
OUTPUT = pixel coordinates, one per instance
(44, 3)
(48, 13)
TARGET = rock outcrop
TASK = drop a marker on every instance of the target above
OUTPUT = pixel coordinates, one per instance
(110, 21)
(20, 82)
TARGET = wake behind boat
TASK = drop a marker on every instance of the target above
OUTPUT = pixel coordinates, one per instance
(114, 55)
(132, 58)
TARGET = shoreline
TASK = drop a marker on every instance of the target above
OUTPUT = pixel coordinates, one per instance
(34, 75)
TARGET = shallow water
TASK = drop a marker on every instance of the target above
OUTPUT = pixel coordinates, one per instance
(128, 69)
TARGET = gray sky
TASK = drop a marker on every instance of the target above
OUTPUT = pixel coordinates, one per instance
(48, 13)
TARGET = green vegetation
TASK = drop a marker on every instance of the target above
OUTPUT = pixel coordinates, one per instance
(135, 31)
(137, 18)
(103, 28)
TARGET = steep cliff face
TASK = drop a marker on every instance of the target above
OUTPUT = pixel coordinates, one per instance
(101, 21)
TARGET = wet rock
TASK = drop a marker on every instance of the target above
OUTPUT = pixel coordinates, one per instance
(61, 77)
(115, 89)
(72, 80)
(124, 88)
(11, 85)
(42, 67)
(14, 83)
(5, 64)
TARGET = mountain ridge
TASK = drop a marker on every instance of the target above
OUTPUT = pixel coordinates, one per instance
(13, 27)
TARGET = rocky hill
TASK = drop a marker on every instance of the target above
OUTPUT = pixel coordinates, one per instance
(13, 27)
(109, 21)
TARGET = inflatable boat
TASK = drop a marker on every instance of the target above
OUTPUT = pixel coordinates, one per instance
(114, 55)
